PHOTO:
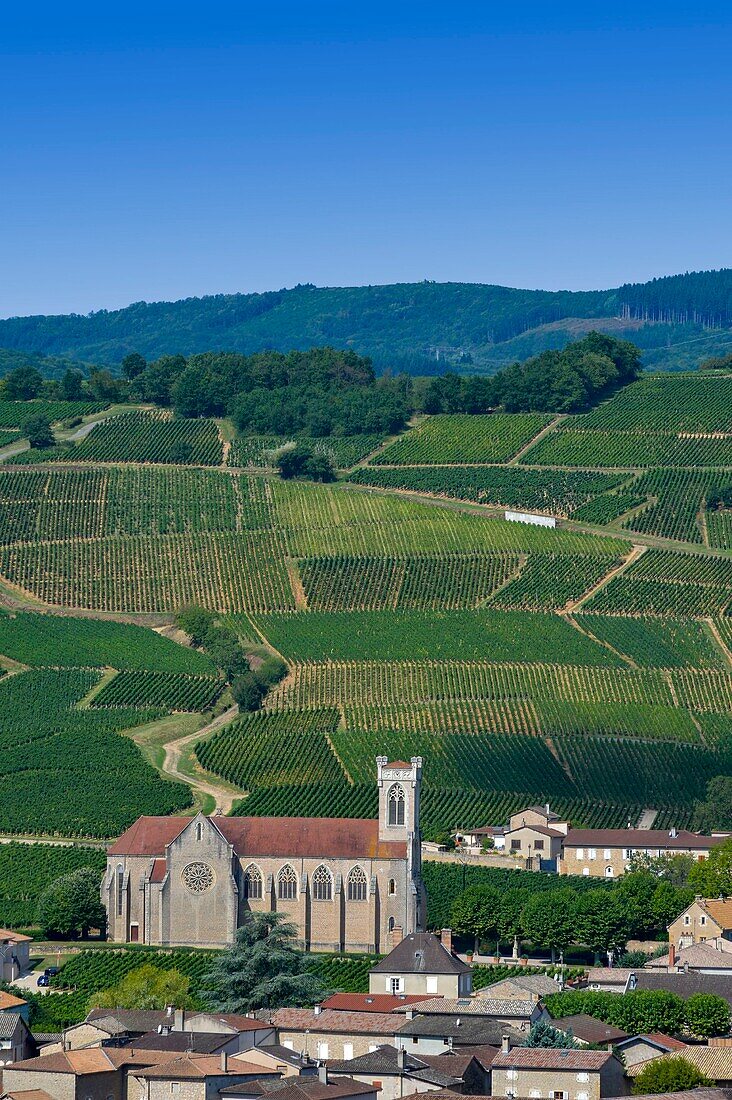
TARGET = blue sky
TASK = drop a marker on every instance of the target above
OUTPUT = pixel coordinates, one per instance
(162, 151)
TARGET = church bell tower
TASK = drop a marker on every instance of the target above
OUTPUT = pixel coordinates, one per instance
(399, 790)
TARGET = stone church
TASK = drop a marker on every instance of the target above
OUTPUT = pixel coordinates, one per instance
(346, 883)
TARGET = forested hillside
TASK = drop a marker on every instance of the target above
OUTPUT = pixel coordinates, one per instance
(411, 326)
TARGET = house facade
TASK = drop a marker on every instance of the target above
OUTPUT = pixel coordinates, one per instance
(606, 853)
(562, 1074)
(422, 964)
(346, 884)
(706, 920)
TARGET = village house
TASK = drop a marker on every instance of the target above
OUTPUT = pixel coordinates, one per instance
(519, 1014)
(14, 955)
(105, 1026)
(94, 1074)
(434, 1034)
(558, 1074)
(329, 1033)
(16, 1041)
(606, 853)
(525, 987)
(346, 884)
(588, 1031)
(392, 1071)
(714, 1062)
(11, 1004)
(713, 957)
(196, 1077)
(637, 1050)
(536, 835)
(422, 964)
(320, 1087)
(706, 920)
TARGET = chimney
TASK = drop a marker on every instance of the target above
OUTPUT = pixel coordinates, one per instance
(318, 1009)
(673, 832)
(446, 939)
(671, 956)
(397, 935)
(179, 1019)
(410, 1014)
(224, 1062)
(323, 1073)
(546, 809)
(505, 1044)
(168, 1010)
(401, 1057)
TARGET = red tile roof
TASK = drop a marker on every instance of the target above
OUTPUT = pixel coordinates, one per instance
(159, 870)
(373, 1002)
(639, 838)
(397, 764)
(665, 1040)
(547, 1058)
(369, 1023)
(335, 838)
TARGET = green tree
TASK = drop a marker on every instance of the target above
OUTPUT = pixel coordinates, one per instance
(146, 987)
(195, 621)
(549, 919)
(475, 913)
(71, 385)
(669, 1075)
(271, 671)
(248, 691)
(319, 467)
(510, 913)
(133, 365)
(707, 1014)
(292, 460)
(601, 921)
(37, 430)
(22, 384)
(262, 969)
(542, 1034)
(715, 812)
(712, 877)
(70, 906)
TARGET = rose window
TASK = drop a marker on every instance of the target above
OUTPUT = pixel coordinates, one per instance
(198, 877)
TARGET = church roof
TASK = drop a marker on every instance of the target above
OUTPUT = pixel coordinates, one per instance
(316, 837)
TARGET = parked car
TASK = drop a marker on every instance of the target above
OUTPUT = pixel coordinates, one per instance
(48, 973)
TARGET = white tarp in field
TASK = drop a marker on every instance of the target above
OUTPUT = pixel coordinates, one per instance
(529, 517)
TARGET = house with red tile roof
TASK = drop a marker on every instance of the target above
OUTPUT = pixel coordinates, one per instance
(347, 884)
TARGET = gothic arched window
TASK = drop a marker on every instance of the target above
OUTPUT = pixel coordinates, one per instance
(287, 884)
(357, 885)
(392, 887)
(322, 884)
(252, 882)
(199, 831)
(120, 888)
(396, 802)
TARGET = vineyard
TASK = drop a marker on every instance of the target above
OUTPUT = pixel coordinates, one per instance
(257, 451)
(272, 750)
(664, 583)
(68, 771)
(448, 440)
(27, 869)
(557, 492)
(173, 691)
(523, 663)
(151, 437)
(452, 635)
(54, 641)
(13, 414)
(378, 584)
